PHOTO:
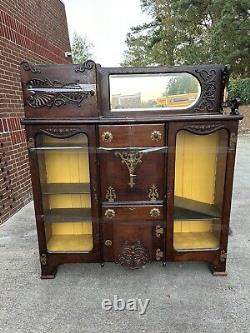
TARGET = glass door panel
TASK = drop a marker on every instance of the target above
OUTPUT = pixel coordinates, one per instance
(199, 185)
(65, 184)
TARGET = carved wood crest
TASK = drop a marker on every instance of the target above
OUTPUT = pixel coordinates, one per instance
(48, 92)
(30, 67)
(133, 254)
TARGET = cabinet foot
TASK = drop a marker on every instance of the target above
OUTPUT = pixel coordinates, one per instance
(164, 264)
(48, 274)
(219, 270)
(102, 264)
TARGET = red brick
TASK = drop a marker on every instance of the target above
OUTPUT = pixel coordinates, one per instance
(22, 37)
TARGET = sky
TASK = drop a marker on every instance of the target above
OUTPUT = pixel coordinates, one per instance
(105, 23)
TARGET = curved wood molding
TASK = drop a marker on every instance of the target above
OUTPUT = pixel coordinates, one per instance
(61, 132)
(203, 128)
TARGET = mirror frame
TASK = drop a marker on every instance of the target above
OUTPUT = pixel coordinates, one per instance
(212, 80)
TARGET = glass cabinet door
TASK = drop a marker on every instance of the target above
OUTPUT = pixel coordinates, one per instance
(65, 185)
(199, 186)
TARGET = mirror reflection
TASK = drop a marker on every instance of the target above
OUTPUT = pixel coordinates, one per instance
(140, 92)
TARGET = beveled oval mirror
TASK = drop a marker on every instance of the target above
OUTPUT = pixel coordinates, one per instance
(149, 92)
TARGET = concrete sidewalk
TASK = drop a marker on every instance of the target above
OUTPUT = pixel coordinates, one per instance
(183, 297)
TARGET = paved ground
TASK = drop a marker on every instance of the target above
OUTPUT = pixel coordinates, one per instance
(183, 297)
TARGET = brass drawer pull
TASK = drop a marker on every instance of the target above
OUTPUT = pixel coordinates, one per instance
(107, 137)
(156, 136)
(109, 213)
(108, 242)
(154, 212)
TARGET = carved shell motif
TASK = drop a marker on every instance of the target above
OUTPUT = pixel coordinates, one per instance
(133, 254)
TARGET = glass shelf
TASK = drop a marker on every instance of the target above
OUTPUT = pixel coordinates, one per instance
(62, 215)
(187, 209)
(66, 188)
(54, 146)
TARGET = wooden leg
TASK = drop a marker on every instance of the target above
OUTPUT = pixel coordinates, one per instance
(48, 272)
(219, 269)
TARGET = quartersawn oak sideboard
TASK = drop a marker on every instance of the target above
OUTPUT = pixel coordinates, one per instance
(130, 165)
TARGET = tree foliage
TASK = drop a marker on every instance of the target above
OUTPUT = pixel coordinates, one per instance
(241, 89)
(81, 49)
(192, 32)
(183, 84)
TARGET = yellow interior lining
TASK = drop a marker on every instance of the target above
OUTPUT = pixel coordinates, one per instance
(67, 166)
(195, 179)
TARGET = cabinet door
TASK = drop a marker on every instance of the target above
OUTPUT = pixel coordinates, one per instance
(200, 174)
(200, 166)
(67, 180)
(133, 235)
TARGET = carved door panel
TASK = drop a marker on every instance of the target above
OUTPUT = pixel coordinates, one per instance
(133, 235)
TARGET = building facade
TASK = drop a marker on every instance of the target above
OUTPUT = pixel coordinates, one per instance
(36, 31)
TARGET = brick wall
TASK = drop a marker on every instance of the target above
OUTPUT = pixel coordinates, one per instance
(36, 31)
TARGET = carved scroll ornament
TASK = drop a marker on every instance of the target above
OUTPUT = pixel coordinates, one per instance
(133, 254)
(208, 90)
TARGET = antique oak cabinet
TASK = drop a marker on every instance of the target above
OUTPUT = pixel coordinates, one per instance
(130, 165)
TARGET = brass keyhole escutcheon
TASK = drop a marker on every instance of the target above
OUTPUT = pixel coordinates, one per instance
(108, 242)
(109, 213)
(156, 136)
(107, 137)
(154, 212)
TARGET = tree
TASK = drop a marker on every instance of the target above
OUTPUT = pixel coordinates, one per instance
(81, 49)
(192, 32)
(183, 84)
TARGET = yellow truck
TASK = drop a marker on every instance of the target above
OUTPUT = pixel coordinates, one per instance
(181, 100)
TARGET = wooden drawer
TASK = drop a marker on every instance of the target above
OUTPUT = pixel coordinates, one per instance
(133, 213)
(147, 135)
